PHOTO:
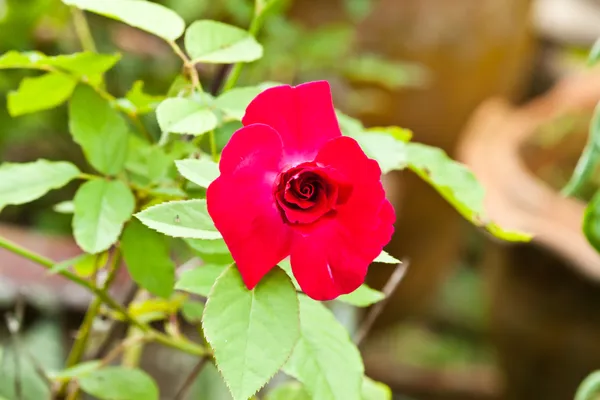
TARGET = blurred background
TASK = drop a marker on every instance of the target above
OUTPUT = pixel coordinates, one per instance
(501, 85)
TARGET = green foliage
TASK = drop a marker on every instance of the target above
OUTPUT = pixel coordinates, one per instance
(199, 280)
(373, 390)
(138, 101)
(187, 219)
(215, 42)
(234, 102)
(386, 258)
(84, 64)
(148, 259)
(22, 183)
(119, 383)
(101, 209)
(591, 222)
(185, 116)
(40, 93)
(99, 129)
(252, 332)
(201, 172)
(594, 55)
(589, 388)
(288, 391)
(325, 360)
(364, 296)
(147, 16)
(457, 184)
(192, 311)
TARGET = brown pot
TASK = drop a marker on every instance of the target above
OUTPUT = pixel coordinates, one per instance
(544, 296)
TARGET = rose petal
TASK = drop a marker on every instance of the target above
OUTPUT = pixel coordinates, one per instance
(303, 115)
(242, 205)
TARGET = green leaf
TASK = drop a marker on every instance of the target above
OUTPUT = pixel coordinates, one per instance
(202, 171)
(187, 219)
(150, 17)
(594, 55)
(14, 59)
(386, 258)
(288, 391)
(99, 129)
(148, 259)
(589, 389)
(373, 390)
(90, 263)
(199, 280)
(211, 251)
(235, 101)
(75, 371)
(40, 93)
(22, 183)
(66, 264)
(138, 101)
(215, 42)
(402, 134)
(119, 383)
(364, 296)
(457, 184)
(101, 209)
(383, 147)
(148, 163)
(591, 222)
(325, 360)
(81, 64)
(64, 207)
(252, 332)
(185, 116)
(192, 311)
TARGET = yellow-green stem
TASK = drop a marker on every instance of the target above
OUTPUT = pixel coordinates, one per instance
(82, 29)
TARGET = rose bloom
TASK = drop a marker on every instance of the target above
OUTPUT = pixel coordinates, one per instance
(292, 185)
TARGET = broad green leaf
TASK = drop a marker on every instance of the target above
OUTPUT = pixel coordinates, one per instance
(147, 163)
(364, 296)
(84, 63)
(119, 383)
(199, 280)
(373, 390)
(99, 129)
(101, 209)
(457, 184)
(138, 101)
(147, 255)
(288, 391)
(591, 222)
(252, 332)
(388, 151)
(589, 389)
(211, 251)
(150, 17)
(401, 134)
(215, 42)
(64, 207)
(40, 93)
(386, 258)
(90, 263)
(185, 116)
(187, 219)
(235, 101)
(22, 183)
(14, 59)
(199, 171)
(325, 360)
(192, 311)
(76, 371)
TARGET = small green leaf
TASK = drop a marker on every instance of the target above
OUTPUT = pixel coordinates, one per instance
(99, 129)
(199, 280)
(90, 263)
(101, 209)
(325, 360)
(591, 222)
(76, 371)
(457, 184)
(185, 116)
(215, 42)
(401, 134)
(85, 64)
(364, 296)
(386, 258)
(22, 183)
(138, 101)
(119, 383)
(187, 219)
(589, 389)
(40, 93)
(235, 101)
(373, 390)
(64, 207)
(148, 259)
(150, 17)
(148, 163)
(66, 264)
(202, 171)
(211, 251)
(288, 391)
(192, 311)
(252, 332)
(388, 151)
(14, 59)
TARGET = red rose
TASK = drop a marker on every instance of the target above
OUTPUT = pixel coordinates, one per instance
(292, 185)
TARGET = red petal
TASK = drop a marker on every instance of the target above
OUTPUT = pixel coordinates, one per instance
(242, 205)
(303, 115)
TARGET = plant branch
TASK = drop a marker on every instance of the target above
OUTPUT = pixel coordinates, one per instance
(388, 290)
(82, 29)
(189, 381)
(188, 64)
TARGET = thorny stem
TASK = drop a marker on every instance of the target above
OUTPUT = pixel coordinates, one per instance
(188, 64)
(82, 29)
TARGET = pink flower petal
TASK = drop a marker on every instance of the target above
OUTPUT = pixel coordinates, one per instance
(303, 115)
(241, 202)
